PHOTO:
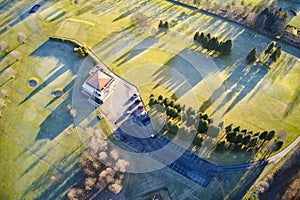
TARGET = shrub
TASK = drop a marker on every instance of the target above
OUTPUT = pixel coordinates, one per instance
(160, 97)
(203, 126)
(198, 140)
(82, 51)
(221, 146)
(252, 56)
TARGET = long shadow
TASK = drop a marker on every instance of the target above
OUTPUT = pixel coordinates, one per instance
(1, 71)
(253, 77)
(182, 4)
(56, 122)
(123, 15)
(65, 56)
(74, 176)
(53, 13)
(56, 190)
(293, 104)
(20, 16)
(279, 71)
(29, 151)
(65, 90)
(251, 33)
(32, 165)
(247, 181)
(5, 82)
(242, 79)
(180, 74)
(93, 122)
(58, 17)
(137, 50)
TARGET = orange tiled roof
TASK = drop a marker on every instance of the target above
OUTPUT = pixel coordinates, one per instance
(98, 80)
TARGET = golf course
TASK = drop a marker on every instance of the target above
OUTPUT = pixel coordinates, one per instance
(41, 139)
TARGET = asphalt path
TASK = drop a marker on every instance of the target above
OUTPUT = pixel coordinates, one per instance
(171, 154)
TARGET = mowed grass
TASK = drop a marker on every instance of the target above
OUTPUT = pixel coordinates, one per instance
(29, 162)
(295, 21)
(138, 56)
(105, 126)
(257, 100)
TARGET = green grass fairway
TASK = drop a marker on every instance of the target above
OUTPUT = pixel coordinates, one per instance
(37, 139)
(262, 100)
(295, 21)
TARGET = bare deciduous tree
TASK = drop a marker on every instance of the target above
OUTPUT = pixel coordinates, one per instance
(90, 183)
(54, 179)
(250, 18)
(2, 103)
(76, 194)
(22, 37)
(89, 130)
(3, 45)
(102, 156)
(107, 176)
(115, 188)
(15, 55)
(9, 73)
(121, 165)
(4, 92)
(140, 20)
(114, 154)
(73, 112)
(69, 106)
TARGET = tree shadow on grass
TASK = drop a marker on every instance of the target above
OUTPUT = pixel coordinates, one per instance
(248, 180)
(93, 122)
(66, 59)
(137, 50)
(16, 16)
(65, 89)
(232, 157)
(61, 15)
(59, 120)
(66, 179)
(123, 15)
(235, 184)
(293, 104)
(242, 79)
(182, 72)
(248, 83)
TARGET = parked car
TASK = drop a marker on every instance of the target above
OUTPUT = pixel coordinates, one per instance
(157, 197)
(123, 137)
(137, 101)
(140, 107)
(146, 120)
(143, 114)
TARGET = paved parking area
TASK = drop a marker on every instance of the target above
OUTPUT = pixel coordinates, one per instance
(121, 110)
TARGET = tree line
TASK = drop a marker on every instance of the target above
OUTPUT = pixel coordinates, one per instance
(246, 140)
(272, 53)
(272, 20)
(172, 108)
(183, 120)
(213, 43)
(163, 25)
